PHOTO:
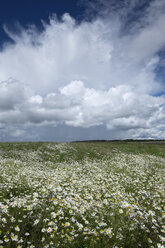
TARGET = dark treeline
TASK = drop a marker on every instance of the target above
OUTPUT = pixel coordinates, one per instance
(125, 140)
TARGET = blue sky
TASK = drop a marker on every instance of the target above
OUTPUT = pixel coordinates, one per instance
(31, 12)
(74, 70)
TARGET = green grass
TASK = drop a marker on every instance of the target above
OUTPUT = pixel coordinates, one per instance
(82, 194)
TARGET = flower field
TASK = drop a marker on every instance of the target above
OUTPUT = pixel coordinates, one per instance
(96, 195)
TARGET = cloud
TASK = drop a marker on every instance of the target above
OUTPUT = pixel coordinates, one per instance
(87, 74)
(119, 109)
(12, 93)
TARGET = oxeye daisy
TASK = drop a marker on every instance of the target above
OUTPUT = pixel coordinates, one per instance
(6, 239)
(49, 230)
(36, 221)
(17, 228)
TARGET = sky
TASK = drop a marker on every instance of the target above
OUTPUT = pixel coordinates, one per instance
(79, 70)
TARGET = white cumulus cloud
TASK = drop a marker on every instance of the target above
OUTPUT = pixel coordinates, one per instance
(85, 74)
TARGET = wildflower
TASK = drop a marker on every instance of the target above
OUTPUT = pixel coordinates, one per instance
(73, 219)
(5, 210)
(43, 239)
(36, 221)
(17, 228)
(35, 194)
(53, 215)
(4, 220)
(49, 230)
(14, 237)
(151, 213)
(50, 223)
(160, 245)
(21, 240)
(109, 231)
(162, 238)
(6, 239)
(12, 219)
(67, 224)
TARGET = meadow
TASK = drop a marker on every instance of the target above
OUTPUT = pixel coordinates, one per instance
(82, 195)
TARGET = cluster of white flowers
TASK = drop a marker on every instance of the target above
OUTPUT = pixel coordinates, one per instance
(98, 200)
